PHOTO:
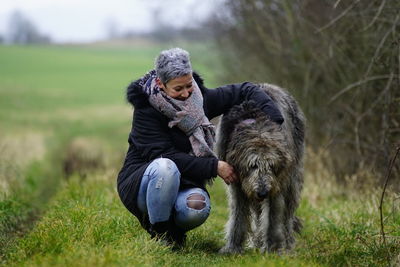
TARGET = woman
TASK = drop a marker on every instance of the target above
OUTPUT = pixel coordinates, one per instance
(170, 157)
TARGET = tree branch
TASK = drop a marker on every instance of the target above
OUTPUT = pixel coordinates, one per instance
(383, 193)
(376, 16)
(383, 40)
(349, 87)
(338, 17)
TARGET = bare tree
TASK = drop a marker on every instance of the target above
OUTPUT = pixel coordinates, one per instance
(22, 31)
(112, 29)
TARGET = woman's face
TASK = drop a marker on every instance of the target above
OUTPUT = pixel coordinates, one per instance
(179, 88)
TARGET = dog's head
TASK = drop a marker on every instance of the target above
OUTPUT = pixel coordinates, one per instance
(258, 152)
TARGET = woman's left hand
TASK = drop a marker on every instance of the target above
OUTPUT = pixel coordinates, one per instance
(226, 172)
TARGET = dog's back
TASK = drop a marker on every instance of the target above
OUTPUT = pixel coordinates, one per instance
(294, 120)
(293, 115)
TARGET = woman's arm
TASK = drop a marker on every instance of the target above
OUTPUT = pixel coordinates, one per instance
(221, 99)
(151, 136)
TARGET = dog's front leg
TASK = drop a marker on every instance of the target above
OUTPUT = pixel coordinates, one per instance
(263, 226)
(239, 218)
(276, 237)
(255, 217)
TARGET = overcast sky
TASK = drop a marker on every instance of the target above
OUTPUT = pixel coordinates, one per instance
(86, 20)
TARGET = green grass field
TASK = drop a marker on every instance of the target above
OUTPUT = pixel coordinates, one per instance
(51, 96)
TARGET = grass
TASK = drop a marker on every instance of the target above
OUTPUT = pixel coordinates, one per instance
(87, 225)
(50, 96)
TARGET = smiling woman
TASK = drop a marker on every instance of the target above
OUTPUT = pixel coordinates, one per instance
(179, 88)
(170, 158)
(174, 74)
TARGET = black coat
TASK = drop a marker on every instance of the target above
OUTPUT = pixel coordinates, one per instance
(151, 138)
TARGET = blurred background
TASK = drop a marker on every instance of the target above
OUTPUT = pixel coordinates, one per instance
(340, 60)
(65, 64)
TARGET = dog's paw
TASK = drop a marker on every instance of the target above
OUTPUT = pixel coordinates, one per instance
(290, 243)
(230, 250)
(264, 249)
(277, 249)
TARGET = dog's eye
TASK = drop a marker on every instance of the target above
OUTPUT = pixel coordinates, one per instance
(276, 170)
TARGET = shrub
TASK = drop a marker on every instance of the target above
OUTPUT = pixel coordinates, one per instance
(339, 58)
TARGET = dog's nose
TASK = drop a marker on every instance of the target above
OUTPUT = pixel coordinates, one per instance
(262, 194)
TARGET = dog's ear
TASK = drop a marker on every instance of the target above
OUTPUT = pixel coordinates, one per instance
(247, 122)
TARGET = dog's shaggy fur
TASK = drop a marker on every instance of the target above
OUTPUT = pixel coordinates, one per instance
(268, 160)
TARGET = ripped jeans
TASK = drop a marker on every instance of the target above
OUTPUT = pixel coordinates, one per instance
(159, 197)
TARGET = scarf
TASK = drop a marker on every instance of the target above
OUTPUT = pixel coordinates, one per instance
(187, 115)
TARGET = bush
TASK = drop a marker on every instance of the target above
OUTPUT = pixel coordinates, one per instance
(339, 58)
(83, 156)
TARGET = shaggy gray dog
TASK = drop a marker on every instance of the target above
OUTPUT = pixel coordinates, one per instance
(268, 158)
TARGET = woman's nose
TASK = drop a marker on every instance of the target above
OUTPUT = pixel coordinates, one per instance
(185, 93)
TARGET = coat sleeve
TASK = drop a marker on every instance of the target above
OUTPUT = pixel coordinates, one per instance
(151, 136)
(221, 99)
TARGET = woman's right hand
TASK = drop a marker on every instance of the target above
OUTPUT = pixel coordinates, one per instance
(226, 172)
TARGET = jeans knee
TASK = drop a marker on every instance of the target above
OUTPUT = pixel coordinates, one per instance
(161, 175)
(196, 201)
(192, 208)
(166, 167)
(165, 171)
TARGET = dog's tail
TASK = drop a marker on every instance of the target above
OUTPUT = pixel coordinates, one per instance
(297, 224)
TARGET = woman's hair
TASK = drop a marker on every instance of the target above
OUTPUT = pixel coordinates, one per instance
(172, 63)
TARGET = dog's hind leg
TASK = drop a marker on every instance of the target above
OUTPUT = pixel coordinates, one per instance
(239, 221)
(276, 236)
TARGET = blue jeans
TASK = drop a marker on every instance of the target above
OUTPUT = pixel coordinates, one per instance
(159, 197)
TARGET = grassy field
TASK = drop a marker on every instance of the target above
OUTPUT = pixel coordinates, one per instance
(54, 96)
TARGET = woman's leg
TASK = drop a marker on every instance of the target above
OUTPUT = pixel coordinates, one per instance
(192, 208)
(158, 190)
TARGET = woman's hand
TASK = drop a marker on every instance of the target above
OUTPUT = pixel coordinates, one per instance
(226, 172)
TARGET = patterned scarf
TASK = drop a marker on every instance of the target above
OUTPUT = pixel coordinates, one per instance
(187, 115)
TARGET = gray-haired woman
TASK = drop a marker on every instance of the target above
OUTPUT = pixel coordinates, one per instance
(170, 157)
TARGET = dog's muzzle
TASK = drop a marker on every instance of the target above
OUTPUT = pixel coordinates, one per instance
(262, 194)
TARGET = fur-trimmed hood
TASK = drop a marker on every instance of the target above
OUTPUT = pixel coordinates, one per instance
(138, 98)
